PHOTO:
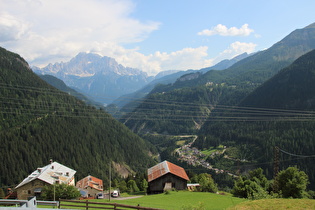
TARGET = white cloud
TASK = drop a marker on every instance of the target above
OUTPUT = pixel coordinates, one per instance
(224, 31)
(236, 48)
(187, 58)
(48, 31)
(40, 30)
(11, 28)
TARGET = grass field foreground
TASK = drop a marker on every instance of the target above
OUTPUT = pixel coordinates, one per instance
(270, 204)
(184, 200)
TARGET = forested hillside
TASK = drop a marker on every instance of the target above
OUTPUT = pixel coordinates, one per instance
(280, 113)
(291, 88)
(226, 87)
(39, 122)
(59, 84)
(180, 111)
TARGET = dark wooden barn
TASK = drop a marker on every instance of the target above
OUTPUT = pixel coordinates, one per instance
(166, 176)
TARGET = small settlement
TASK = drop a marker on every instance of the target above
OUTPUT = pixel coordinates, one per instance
(161, 177)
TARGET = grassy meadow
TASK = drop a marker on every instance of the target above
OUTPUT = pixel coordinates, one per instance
(184, 200)
(270, 204)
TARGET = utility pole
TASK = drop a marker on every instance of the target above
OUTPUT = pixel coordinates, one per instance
(109, 180)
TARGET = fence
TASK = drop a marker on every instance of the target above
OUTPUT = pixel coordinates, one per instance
(96, 205)
(30, 203)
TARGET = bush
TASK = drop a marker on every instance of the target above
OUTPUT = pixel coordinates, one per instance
(207, 184)
(292, 183)
(62, 191)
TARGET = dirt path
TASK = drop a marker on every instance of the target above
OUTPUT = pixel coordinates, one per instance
(126, 198)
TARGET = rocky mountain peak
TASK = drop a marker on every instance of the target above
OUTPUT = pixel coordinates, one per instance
(88, 64)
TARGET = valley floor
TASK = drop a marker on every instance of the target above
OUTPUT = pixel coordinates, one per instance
(195, 157)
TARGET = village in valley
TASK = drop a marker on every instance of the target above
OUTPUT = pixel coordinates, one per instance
(193, 156)
(161, 177)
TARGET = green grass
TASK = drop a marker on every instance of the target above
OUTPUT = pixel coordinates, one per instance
(180, 143)
(184, 200)
(181, 200)
(212, 150)
(271, 204)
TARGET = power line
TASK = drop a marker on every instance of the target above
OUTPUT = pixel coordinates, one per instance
(295, 155)
(176, 113)
(173, 103)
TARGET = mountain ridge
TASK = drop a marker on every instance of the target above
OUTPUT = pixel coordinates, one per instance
(277, 114)
(100, 78)
(291, 88)
(221, 87)
(39, 122)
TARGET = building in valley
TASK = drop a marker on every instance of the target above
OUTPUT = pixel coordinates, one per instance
(91, 185)
(53, 173)
(166, 176)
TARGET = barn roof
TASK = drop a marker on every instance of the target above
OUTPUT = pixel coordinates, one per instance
(166, 167)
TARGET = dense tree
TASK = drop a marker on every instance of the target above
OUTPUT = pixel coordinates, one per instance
(207, 183)
(144, 185)
(39, 122)
(63, 191)
(132, 186)
(253, 186)
(257, 176)
(123, 186)
(115, 183)
(292, 183)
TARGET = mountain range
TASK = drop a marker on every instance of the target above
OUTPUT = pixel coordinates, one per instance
(103, 80)
(279, 113)
(265, 100)
(224, 87)
(39, 123)
(258, 102)
(99, 78)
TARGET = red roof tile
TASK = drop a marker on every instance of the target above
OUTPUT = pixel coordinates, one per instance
(164, 168)
(90, 181)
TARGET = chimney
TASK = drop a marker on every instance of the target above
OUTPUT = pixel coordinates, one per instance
(51, 161)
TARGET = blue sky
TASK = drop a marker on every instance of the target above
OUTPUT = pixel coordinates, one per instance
(152, 35)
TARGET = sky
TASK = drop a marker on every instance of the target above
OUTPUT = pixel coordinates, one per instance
(151, 35)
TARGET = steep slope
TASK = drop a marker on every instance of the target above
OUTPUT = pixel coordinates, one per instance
(291, 88)
(278, 113)
(127, 103)
(39, 122)
(100, 78)
(257, 68)
(232, 84)
(60, 85)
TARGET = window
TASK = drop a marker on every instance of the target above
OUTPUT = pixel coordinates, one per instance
(29, 192)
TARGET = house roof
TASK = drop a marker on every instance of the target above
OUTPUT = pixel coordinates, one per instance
(166, 167)
(50, 174)
(90, 181)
